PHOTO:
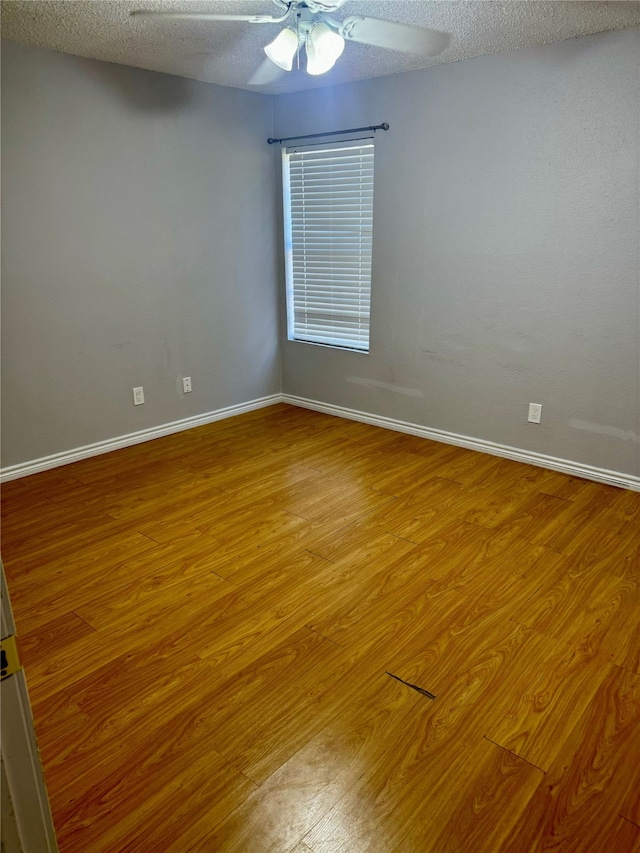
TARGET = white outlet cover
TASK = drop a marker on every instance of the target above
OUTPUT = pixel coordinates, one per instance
(535, 413)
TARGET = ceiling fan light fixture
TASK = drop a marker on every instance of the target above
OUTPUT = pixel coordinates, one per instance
(283, 48)
(324, 47)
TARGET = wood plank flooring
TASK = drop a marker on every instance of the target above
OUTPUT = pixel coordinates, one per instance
(208, 622)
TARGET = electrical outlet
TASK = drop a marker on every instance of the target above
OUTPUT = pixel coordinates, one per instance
(186, 384)
(138, 396)
(535, 413)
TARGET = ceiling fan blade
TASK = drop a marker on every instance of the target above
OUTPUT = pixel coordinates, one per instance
(394, 36)
(267, 72)
(209, 16)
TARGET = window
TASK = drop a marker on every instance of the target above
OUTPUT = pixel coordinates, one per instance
(328, 211)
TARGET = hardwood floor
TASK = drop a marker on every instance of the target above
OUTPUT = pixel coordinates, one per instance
(208, 622)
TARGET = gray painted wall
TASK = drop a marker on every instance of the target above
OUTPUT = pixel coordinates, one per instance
(139, 245)
(506, 249)
(138, 217)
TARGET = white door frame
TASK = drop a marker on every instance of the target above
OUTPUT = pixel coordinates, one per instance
(27, 826)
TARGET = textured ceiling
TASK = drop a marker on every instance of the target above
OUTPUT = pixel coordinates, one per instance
(228, 53)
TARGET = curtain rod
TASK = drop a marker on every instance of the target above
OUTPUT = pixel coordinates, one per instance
(383, 126)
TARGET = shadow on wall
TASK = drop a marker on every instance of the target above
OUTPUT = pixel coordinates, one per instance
(149, 91)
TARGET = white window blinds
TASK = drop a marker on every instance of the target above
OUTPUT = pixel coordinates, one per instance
(328, 204)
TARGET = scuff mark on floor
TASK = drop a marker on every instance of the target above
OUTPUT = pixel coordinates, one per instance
(413, 686)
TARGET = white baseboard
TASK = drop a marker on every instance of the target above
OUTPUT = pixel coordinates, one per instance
(13, 472)
(565, 466)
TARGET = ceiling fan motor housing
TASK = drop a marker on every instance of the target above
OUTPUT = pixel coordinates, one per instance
(322, 5)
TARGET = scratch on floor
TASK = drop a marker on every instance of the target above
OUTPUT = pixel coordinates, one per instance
(413, 686)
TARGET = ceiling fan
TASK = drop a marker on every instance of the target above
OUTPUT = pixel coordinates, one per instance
(309, 25)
